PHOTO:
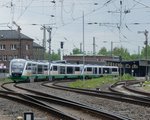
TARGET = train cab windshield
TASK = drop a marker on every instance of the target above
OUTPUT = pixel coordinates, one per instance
(17, 66)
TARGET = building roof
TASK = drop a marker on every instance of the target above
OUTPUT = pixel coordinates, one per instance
(37, 45)
(12, 34)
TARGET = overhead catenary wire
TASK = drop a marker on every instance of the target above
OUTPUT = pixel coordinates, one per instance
(69, 12)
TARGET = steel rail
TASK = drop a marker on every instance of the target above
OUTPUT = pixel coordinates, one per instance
(145, 101)
(47, 97)
(27, 100)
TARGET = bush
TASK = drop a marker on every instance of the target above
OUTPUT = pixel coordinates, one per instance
(127, 77)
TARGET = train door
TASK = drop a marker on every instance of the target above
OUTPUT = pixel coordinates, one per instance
(45, 69)
(29, 69)
(77, 70)
(70, 70)
(39, 69)
(100, 71)
(89, 70)
(114, 71)
(55, 69)
(34, 69)
(62, 70)
(95, 70)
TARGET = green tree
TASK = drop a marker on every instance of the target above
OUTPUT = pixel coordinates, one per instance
(103, 51)
(54, 56)
(135, 57)
(143, 52)
(123, 52)
(76, 51)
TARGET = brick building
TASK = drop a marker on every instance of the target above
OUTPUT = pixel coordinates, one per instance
(38, 52)
(17, 45)
(89, 59)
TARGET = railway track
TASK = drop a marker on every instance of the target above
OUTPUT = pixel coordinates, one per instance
(128, 87)
(139, 100)
(131, 88)
(56, 105)
(29, 100)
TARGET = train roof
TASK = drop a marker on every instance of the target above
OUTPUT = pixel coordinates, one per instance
(63, 64)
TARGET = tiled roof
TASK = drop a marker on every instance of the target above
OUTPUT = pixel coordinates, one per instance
(37, 45)
(12, 34)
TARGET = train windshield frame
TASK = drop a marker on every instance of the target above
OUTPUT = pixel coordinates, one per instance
(17, 66)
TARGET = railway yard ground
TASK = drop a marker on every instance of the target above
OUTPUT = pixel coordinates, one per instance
(10, 110)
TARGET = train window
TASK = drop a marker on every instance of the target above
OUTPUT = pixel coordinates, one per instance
(106, 70)
(45, 67)
(114, 69)
(40, 71)
(77, 68)
(69, 70)
(34, 68)
(28, 67)
(62, 70)
(100, 71)
(89, 69)
(54, 68)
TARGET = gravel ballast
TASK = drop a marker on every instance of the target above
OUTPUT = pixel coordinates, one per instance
(136, 112)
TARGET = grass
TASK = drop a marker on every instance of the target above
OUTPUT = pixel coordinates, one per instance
(146, 85)
(4, 80)
(97, 82)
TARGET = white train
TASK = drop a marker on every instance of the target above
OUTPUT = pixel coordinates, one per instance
(22, 70)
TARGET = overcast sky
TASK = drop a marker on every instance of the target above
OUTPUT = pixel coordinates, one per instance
(65, 18)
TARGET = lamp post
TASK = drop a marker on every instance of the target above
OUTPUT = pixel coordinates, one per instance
(146, 51)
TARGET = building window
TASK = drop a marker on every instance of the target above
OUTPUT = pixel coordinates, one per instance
(27, 47)
(4, 57)
(10, 58)
(13, 46)
(2, 47)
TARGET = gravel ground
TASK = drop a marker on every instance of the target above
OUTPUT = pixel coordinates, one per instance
(10, 110)
(135, 112)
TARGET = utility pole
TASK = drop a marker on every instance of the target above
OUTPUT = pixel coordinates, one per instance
(83, 45)
(19, 38)
(49, 29)
(146, 51)
(44, 39)
(139, 52)
(111, 48)
(94, 46)
(80, 48)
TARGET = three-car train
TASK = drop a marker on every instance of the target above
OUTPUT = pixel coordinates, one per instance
(23, 70)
